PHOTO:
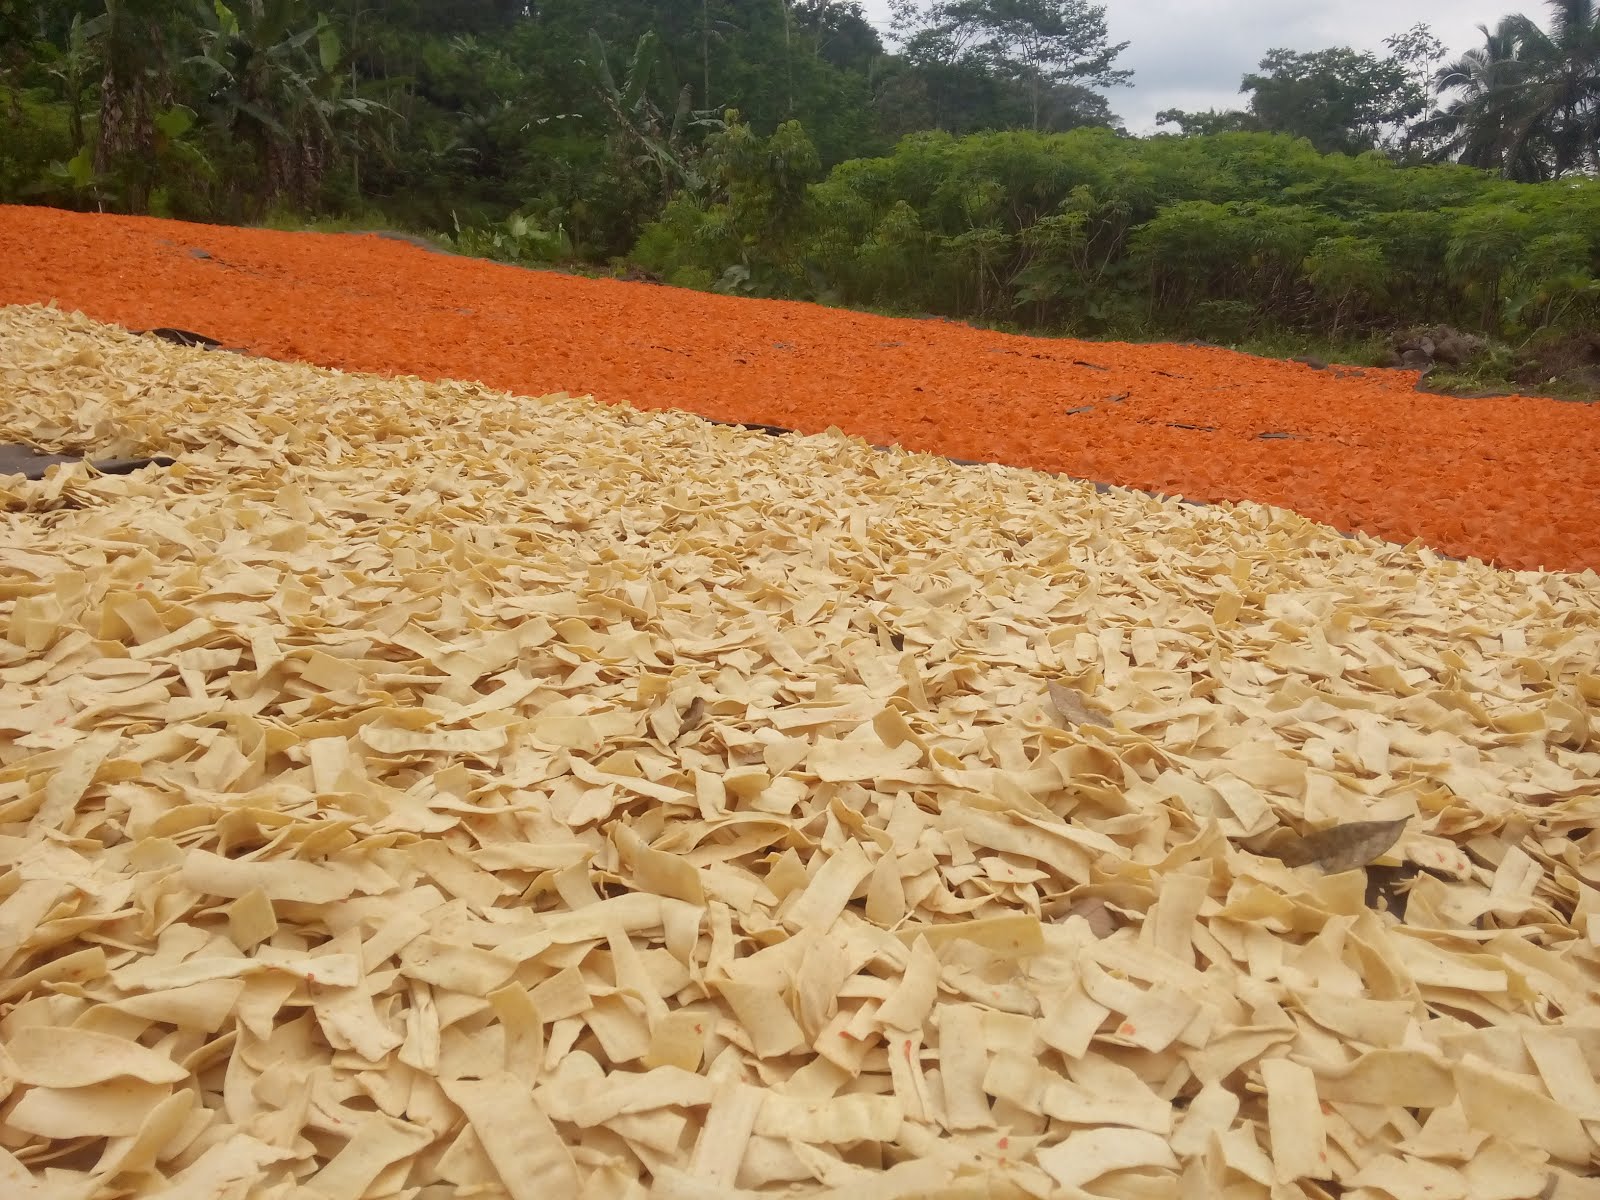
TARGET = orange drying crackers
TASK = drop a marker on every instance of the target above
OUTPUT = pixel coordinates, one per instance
(1514, 480)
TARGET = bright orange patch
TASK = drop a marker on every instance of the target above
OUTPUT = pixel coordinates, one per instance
(1514, 480)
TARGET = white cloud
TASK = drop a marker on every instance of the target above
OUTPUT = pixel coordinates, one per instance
(1192, 53)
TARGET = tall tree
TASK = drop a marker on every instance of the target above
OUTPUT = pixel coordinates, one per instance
(1561, 102)
(1481, 118)
(1527, 102)
(136, 84)
(840, 33)
(1339, 99)
(1202, 124)
(1417, 53)
(1053, 42)
(1051, 48)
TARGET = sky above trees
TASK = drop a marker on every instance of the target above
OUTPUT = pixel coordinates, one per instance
(1190, 54)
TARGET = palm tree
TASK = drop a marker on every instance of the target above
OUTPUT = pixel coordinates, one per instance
(1479, 125)
(1527, 102)
(1562, 104)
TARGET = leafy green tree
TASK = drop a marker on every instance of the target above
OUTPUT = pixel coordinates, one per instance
(1345, 270)
(21, 24)
(1484, 247)
(1417, 53)
(840, 34)
(1212, 121)
(1053, 42)
(1052, 49)
(763, 181)
(270, 77)
(746, 232)
(1341, 100)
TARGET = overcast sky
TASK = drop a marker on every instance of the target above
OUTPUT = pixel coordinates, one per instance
(1191, 53)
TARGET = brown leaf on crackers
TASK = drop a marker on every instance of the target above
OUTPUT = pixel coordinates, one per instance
(1343, 847)
(1072, 706)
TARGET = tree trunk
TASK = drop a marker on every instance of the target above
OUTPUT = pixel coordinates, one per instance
(75, 113)
(355, 93)
(126, 140)
(705, 53)
(122, 113)
(788, 56)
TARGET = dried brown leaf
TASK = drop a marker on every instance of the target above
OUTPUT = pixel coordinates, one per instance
(1073, 707)
(1343, 847)
(693, 715)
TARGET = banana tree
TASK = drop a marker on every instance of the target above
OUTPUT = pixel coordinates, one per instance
(77, 60)
(135, 42)
(275, 85)
(657, 141)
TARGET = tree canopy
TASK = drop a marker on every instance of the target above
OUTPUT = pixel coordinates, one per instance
(1340, 100)
(1045, 53)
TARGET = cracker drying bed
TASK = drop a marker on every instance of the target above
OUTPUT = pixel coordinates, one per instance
(417, 791)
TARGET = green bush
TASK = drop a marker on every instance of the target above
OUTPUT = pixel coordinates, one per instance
(697, 278)
(1227, 237)
(38, 133)
(519, 240)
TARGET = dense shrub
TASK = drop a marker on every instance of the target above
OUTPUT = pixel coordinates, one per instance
(1223, 236)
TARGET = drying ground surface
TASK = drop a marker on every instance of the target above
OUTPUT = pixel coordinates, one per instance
(420, 792)
(1513, 480)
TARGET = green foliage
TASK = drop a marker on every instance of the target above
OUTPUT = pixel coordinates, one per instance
(1228, 237)
(1346, 270)
(1005, 63)
(749, 228)
(519, 240)
(1202, 124)
(267, 74)
(37, 134)
(1340, 100)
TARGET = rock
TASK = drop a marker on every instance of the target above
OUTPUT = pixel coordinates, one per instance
(1458, 348)
(1440, 344)
(1416, 360)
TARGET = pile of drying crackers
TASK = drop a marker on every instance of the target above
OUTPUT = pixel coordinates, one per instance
(423, 792)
